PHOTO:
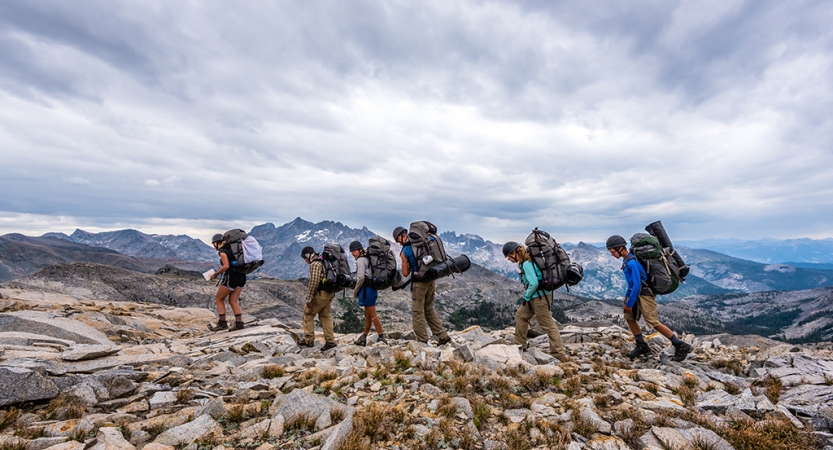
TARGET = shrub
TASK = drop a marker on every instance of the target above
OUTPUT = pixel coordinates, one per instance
(733, 365)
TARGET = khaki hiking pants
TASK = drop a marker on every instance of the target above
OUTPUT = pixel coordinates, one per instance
(647, 309)
(322, 303)
(422, 311)
(540, 308)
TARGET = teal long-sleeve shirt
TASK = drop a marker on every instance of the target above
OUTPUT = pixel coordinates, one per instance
(530, 274)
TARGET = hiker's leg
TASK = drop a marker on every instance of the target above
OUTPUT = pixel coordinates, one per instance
(434, 322)
(522, 323)
(648, 306)
(325, 317)
(370, 314)
(541, 308)
(368, 319)
(233, 301)
(309, 322)
(220, 299)
(418, 291)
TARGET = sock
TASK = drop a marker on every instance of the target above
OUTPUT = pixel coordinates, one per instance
(222, 317)
(675, 340)
(238, 318)
(639, 338)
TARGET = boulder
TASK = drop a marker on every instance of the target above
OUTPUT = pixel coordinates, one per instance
(162, 399)
(83, 352)
(198, 429)
(464, 352)
(215, 408)
(607, 443)
(499, 355)
(110, 438)
(299, 402)
(23, 385)
(716, 400)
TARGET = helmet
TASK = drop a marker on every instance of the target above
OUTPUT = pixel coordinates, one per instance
(306, 251)
(397, 231)
(356, 245)
(217, 238)
(510, 247)
(616, 241)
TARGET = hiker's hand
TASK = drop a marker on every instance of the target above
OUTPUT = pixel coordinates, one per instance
(213, 276)
(628, 310)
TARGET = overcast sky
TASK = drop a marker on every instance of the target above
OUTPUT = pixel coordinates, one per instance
(583, 118)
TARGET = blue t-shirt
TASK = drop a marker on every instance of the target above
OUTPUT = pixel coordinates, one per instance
(408, 251)
(634, 275)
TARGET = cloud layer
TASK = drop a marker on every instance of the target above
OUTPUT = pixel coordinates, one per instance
(484, 117)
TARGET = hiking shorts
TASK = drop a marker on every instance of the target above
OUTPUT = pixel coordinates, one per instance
(233, 281)
(648, 310)
(367, 296)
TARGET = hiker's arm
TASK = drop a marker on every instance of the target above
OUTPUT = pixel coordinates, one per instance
(531, 280)
(316, 273)
(634, 284)
(225, 265)
(406, 268)
(361, 269)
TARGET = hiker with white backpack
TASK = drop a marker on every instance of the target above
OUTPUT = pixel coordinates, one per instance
(536, 302)
(366, 293)
(231, 286)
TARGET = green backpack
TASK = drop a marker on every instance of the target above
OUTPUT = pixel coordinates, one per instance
(663, 272)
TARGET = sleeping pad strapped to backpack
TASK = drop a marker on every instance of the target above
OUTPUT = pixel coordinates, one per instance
(432, 261)
(553, 262)
(248, 255)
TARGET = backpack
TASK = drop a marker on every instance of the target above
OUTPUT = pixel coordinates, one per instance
(553, 262)
(248, 255)
(382, 263)
(336, 269)
(658, 262)
(427, 246)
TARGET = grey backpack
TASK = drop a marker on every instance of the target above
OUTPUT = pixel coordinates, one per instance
(336, 269)
(428, 247)
(383, 271)
(553, 262)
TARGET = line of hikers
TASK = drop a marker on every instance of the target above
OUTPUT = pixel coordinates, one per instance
(543, 266)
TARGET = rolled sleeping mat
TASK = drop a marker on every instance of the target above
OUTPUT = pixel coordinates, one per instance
(658, 231)
(459, 264)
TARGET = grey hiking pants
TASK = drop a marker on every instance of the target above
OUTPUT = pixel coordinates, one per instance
(422, 311)
(539, 307)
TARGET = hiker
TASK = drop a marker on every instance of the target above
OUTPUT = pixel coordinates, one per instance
(641, 301)
(230, 286)
(422, 295)
(366, 294)
(536, 302)
(318, 302)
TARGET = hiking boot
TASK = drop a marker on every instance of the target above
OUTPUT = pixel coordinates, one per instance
(236, 326)
(304, 343)
(361, 341)
(681, 351)
(444, 341)
(382, 339)
(220, 325)
(561, 357)
(641, 349)
(328, 346)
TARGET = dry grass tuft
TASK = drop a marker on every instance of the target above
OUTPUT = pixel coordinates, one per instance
(8, 417)
(772, 388)
(13, 444)
(301, 422)
(731, 388)
(572, 386)
(336, 415)
(581, 425)
(273, 371)
(733, 365)
(65, 406)
(401, 361)
(372, 424)
(184, 395)
(481, 411)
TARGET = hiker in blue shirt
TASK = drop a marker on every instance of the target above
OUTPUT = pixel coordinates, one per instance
(536, 302)
(640, 300)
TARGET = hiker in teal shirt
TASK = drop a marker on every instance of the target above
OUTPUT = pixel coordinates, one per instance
(536, 302)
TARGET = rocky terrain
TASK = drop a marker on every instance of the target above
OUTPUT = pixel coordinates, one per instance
(79, 374)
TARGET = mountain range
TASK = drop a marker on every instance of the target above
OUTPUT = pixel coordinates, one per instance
(793, 251)
(712, 273)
